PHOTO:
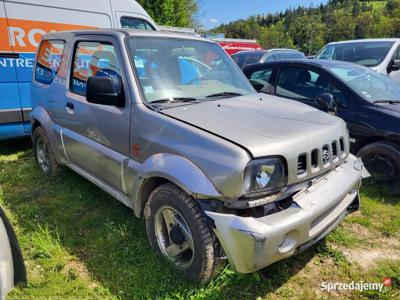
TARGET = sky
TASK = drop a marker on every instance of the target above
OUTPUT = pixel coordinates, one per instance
(216, 12)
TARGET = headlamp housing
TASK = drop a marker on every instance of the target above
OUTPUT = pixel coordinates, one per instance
(264, 176)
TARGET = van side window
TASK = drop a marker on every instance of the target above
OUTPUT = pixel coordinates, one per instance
(49, 60)
(93, 59)
(135, 23)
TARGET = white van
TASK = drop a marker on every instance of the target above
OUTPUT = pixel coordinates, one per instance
(23, 22)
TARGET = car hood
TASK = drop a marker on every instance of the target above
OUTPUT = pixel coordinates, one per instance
(263, 124)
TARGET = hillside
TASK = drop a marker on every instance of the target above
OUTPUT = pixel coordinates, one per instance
(308, 29)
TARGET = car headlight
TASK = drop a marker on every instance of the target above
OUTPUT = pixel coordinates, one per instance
(264, 176)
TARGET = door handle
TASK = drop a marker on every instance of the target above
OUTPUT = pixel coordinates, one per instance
(69, 107)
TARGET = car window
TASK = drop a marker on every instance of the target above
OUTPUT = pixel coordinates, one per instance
(301, 84)
(135, 23)
(48, 61)
(251, 58)
(263, 75)
(396, 54)
(326, 53)
(93, 59)
(289, 55)
(178, 68)
(369, 54)
(340, 98)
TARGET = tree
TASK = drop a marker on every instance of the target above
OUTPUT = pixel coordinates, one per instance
(180, 13)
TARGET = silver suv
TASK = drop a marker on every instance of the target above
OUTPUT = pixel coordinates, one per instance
(169, 125)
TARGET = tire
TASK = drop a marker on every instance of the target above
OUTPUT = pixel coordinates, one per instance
(198, 264)
(43, 153)
(382, 160)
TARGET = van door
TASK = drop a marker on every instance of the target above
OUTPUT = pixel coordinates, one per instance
(27, 23)
(10, 104)
(96, 137)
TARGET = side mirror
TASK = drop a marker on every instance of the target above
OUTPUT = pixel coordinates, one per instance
(326, 102)
(105, 91)
(394, 65)
(262, 86)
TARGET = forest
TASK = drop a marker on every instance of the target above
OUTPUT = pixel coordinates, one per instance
(308, 29)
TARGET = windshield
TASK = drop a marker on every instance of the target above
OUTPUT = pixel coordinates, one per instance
(369, 54)
(369, 84)
(170, 68)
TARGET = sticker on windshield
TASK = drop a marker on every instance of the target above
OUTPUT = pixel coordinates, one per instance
(148, 89)
(139, 63)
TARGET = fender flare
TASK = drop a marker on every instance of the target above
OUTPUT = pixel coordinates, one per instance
(178, 170)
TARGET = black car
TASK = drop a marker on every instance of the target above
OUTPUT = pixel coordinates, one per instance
(245, 58)
(369, 103)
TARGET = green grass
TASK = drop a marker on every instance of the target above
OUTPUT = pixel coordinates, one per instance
(78, 242)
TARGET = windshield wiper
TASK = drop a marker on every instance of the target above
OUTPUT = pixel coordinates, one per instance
(387, 101)
(224, 94)
(174, 99)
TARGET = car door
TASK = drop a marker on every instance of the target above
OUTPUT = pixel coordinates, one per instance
(10, 102)
(305, 84)
(96, 137)
(301, 83)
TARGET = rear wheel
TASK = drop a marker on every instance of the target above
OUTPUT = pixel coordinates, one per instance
(177, 229)
(382, 160)
(43, 153)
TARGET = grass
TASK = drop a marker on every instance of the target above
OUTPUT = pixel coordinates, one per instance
(79, 243)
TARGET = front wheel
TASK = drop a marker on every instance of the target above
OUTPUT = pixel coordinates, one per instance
(43, 153)
(382, 160)
(177, 229)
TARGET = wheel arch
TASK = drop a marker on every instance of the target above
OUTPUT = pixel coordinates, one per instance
(164, 168)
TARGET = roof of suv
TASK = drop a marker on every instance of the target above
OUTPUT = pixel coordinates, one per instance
(366, 40)
(123, 31)
(315, 62)
(276, 50)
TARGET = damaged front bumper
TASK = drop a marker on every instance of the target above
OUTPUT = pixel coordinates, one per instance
(254, 243)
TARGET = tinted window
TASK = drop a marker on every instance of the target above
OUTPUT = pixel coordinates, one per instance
(301, 84)
(369, 54)
(135, 23)
(252, 58)
(263, 75)
(289, 55)
(48, 61)
(93, 59)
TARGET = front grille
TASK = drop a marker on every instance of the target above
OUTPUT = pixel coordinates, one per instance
(321, 158)
(302, 164)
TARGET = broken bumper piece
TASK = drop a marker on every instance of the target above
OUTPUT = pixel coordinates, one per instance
(254, 243)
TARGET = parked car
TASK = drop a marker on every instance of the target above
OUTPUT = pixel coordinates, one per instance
(233, 46)
(244, 58)
(369, 103)
(214, 168)
(12, 268)
(382, 55)
(22, 23)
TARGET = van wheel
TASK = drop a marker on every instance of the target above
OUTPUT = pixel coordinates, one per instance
(382, 160)
(43, 153)
(177, 229)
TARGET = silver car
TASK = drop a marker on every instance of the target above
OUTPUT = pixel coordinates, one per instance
(12, 267)
(169, 125)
